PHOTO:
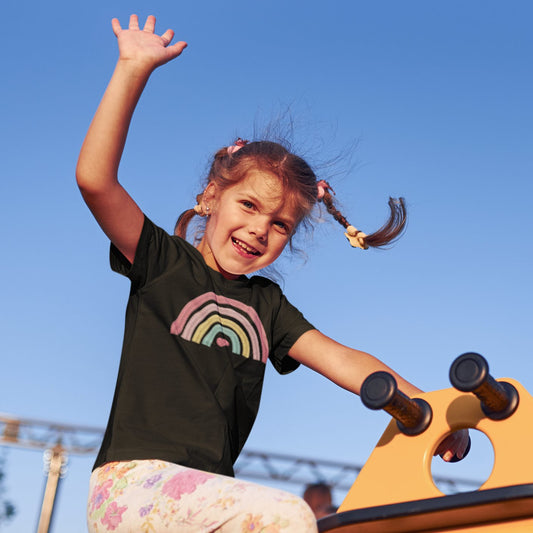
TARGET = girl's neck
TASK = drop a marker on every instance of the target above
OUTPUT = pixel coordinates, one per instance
(211, 262)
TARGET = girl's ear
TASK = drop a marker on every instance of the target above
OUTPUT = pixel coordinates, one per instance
(209, 197)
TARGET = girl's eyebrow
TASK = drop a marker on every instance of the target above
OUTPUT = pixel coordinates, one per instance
(289, 220)
(256, 200)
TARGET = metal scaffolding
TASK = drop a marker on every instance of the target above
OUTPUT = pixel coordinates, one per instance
(61, 440)
(58, 442)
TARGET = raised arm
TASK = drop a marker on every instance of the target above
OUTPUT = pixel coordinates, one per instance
(140, 53)
(348, 368)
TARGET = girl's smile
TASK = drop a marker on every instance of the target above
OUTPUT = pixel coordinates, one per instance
(249, 224)
(243, 249)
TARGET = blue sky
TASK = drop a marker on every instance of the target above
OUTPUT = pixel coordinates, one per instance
(437, 97)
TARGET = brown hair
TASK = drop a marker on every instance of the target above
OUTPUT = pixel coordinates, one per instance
(228, 168)
(299, 184)
(389, 232)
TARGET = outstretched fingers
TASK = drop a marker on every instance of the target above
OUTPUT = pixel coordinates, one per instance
(146, 44)
(134, 22)
(167, 37)
(149, 25)
(117, 28)
(177, 48)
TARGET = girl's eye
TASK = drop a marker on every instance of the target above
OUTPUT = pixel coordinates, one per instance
(247, 204)
(282, 226)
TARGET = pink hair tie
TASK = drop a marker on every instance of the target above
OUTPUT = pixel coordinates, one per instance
(239, 143)
(323, 186)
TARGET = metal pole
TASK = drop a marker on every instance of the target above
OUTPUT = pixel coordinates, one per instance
(56, 458)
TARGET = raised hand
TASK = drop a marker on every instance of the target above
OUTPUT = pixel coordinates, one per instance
(145, 48)
(140, 52)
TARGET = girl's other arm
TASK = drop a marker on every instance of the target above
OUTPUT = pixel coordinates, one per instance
(345, 366)
(348, 368)
(140, 52)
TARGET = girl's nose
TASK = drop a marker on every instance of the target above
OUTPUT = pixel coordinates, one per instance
(259, 228)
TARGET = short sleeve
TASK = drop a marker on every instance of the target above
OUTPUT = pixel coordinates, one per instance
(154, 251)
(289, 326)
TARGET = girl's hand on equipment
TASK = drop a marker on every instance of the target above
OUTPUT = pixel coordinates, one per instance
(454, 447)
(144, 48)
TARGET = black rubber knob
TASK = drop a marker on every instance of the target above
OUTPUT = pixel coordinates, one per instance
(380, 391)
(470, 373)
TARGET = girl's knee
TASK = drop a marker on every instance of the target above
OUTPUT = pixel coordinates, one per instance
(277, 512)
(302, 517)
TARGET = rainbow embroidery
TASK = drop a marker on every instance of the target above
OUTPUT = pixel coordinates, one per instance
(214, 320)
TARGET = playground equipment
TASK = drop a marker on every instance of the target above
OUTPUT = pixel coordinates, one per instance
(395, 491)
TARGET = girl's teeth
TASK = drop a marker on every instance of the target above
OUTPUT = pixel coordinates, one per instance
(245, 247)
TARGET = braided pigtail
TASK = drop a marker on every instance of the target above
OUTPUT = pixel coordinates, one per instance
(180, 229)
(389, 232)
(393, 228)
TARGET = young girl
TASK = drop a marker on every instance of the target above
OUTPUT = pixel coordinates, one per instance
(199, 331)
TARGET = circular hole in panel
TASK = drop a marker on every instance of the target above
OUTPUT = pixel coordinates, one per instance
(469, 473)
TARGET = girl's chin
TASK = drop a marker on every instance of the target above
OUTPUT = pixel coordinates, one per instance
(232, 268)
(232, 272)
(236, 267)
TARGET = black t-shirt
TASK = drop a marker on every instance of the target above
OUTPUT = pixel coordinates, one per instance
(194, 355)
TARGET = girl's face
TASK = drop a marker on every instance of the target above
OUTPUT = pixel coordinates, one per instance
(248, 226)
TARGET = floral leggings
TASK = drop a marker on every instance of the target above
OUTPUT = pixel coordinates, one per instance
(152, 496)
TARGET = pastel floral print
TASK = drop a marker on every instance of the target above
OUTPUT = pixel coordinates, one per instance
(143, 511)
(152, 481)
(252, 523)
(113, 515)
(185, 483)
(100, 494)
(152, 496)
